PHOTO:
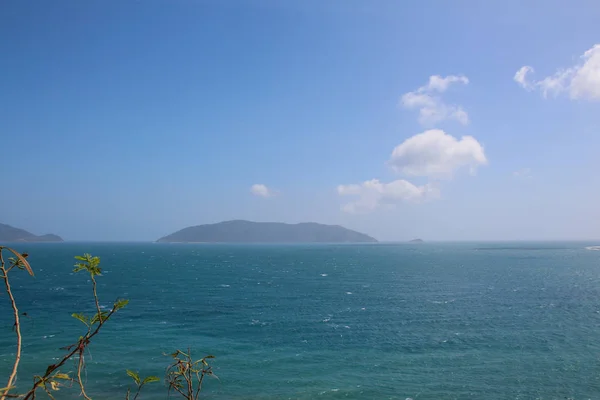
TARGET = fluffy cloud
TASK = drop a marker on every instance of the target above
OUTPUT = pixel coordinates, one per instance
(521, 77)
(431, 107)
(436, 154)
(440, 84)
(581, 81)
(261, 190)
(432, 154)
(373, 194)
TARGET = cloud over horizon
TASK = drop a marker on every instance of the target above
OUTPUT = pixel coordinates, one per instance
(261, 190)
(432, 154)
(373, 194)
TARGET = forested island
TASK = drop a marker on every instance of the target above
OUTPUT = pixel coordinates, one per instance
(240, 231)
(11, 234)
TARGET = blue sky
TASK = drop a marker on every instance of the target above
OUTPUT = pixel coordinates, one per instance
(130, 120)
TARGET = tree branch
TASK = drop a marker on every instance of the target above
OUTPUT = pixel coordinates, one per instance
(79, 368)
(96, 298)
(17, 326)
(83, 342)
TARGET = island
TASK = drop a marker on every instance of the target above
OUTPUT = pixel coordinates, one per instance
(240, 231)
(417, 241)
(11, 234)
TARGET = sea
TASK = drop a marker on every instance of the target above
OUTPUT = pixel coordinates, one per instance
(427, 321)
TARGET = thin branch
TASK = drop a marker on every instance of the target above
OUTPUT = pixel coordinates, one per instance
(83, 342)
(17, 326)
(138, 391)
(96, 298)
(79, 368)
(190, 382)
(201, 379)
(48, 393)
(176, 388)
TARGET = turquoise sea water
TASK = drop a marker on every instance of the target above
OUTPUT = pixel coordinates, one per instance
(384, 321)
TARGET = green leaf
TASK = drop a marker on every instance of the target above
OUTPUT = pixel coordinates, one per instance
(22, 262)
(150, 379)
(96, 317)
(134, 375)
(81, 317)
(89, 263)
(120, 304)
(78, 267)
(60, 375)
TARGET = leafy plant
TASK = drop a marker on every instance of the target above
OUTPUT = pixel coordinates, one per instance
(139, 382)
(184, 376)
(20, 262)
(184, 373)
(49, 380)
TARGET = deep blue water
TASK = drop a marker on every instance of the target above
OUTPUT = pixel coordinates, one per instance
(428, 322)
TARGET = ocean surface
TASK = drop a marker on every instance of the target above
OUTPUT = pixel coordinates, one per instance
(379, 321)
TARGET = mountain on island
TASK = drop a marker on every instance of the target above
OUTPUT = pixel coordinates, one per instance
(240, 231)
(11, 234)
(417, 241)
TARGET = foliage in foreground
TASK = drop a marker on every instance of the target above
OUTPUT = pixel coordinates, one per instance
(184, 375)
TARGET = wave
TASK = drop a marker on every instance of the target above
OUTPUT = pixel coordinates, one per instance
(327, 391)
(443, 302)
(593, 248)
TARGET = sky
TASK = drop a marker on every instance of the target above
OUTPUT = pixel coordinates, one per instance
(443, 120)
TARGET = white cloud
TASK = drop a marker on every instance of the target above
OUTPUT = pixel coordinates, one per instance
(581, 81)
(523, 173)
(432, 154)
(436, 154)
(261, 190)
(373, 194)
(440, 84)
(431, 107)
(586, 80)
(521, 77)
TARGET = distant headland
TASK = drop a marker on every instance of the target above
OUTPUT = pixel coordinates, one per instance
(11, 234)
(240, 231)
